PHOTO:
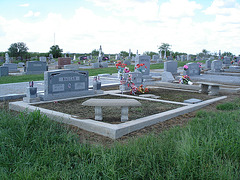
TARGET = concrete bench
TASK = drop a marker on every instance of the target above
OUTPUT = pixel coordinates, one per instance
(209, 88)
(123, 103)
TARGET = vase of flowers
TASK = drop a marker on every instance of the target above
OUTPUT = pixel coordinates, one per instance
(120, 68)
(185, 80)
(185, 67)
(141, 67)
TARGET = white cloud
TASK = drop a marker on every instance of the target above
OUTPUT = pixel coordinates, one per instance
(178, 8)
(24, 5)
(130, 24)
(31, 14)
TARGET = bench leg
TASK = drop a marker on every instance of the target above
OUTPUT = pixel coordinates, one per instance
(214, 90)
(124, 114)
(98, 113)
(203, 88)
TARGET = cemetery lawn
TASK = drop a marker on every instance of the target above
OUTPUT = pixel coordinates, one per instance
(199, 145)
(110, 114)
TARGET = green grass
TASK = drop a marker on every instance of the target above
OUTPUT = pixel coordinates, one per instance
(229, 105)
(92, 72)
(22, 78)
(33, 147)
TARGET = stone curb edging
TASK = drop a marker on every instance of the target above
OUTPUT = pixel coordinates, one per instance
(113, 131)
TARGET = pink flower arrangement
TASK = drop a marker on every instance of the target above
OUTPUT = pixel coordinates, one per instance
(200, 64)
(185, 67)
(126, 70)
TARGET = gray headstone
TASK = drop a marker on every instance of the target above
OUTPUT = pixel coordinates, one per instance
(11, 67)
(3, 71)
(104, 64)
(193, 69)
(60, 84)
(171, 66)
(208, 64)
(178, 58)
(137, 78)
(169, 58)
(21, 64)
(216, 66)
(127, 62)
(71, 66)
(167, 77)
(95, 65)
(183, 58)
(155, 58)
(36, 67)
(43, 59)
(143, 59)
(226, 60)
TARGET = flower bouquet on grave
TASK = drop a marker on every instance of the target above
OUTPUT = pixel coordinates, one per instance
(185, 67)
(133, 89)
(120, 66)
(185, 80)
(200, 64)
(239, 63)
(141, 68)
(142, 90)
(232, 61)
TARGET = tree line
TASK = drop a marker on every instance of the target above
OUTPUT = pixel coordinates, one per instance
(19, 50)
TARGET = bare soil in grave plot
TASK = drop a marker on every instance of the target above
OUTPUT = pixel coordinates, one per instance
(110, 114)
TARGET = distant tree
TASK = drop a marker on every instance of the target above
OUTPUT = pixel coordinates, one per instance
(95, 52)
(164, 46)
(150, 53)
(227, 54)
(124, 53)
(205, 52)
(56, 51)
(18, 49)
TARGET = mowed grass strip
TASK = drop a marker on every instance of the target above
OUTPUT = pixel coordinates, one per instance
(34, 147)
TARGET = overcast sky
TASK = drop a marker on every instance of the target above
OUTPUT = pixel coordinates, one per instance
(83, 25)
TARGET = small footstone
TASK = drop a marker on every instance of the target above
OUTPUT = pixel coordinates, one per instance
(192, 101)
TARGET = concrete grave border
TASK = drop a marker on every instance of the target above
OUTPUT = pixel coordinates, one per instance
(114, 131)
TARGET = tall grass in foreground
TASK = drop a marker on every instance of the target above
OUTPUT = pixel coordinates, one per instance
(33, 147)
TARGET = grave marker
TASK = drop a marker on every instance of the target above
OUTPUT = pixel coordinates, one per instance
(193, 69)
(3, 71)
(216, 66)
(60, 84)
(143, 59)
(35, 67)
(171, 66)
(63, 61)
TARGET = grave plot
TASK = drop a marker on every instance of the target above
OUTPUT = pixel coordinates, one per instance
(158, 111)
